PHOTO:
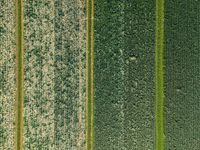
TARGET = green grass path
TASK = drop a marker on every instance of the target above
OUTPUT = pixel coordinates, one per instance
(159, 73)
(89, 74)
(19, 74)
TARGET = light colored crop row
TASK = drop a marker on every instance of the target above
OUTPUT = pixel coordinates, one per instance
(54, 75)
(39, 74)
(7, 74)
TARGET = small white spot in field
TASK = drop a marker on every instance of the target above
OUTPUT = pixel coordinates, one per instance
(132, 58)
(178, 90)
(132, 89)
(136, 84)
(45, 69)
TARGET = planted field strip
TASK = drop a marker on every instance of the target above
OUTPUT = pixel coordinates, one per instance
(182, 75)
(54, 74)
(70, 64)
(109, 75)
(39, 74)
(124, 75)
(139, 72)
(7, 74)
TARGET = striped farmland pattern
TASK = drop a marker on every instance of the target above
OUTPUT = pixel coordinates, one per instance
(99, 75)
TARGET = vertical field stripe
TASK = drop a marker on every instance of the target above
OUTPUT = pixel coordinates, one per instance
(19, 75)
(159, 73)
(89, 73)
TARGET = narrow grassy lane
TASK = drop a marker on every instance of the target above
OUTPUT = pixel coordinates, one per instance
(89, 73)
(19, 74)
(159, 73)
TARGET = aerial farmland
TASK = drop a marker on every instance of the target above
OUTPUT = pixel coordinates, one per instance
(99, 75)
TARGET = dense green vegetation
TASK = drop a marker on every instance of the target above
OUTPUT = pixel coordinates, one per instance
(124, 75)
(139, 49)
(108, 75)
(182, 80)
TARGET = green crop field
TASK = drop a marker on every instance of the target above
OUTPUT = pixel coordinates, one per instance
(124, 75)
(182, 80)
(99, 75)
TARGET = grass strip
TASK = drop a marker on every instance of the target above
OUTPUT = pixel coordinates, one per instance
(159, 73)
(19, 74)
(89, 73)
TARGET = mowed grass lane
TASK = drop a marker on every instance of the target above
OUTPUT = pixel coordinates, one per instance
(89, 73)
(19, 74)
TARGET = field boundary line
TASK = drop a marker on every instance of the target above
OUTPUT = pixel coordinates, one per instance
(19, 75)
(89, 73)
(159, 74)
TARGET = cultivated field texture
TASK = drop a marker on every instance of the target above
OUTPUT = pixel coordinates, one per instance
(182, 75)
(101, 90)
(7, 74)
(124, 75)
(54, 75)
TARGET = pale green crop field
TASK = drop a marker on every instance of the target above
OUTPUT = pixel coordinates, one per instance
(99, 75)
(54, 74)
(7, 74)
